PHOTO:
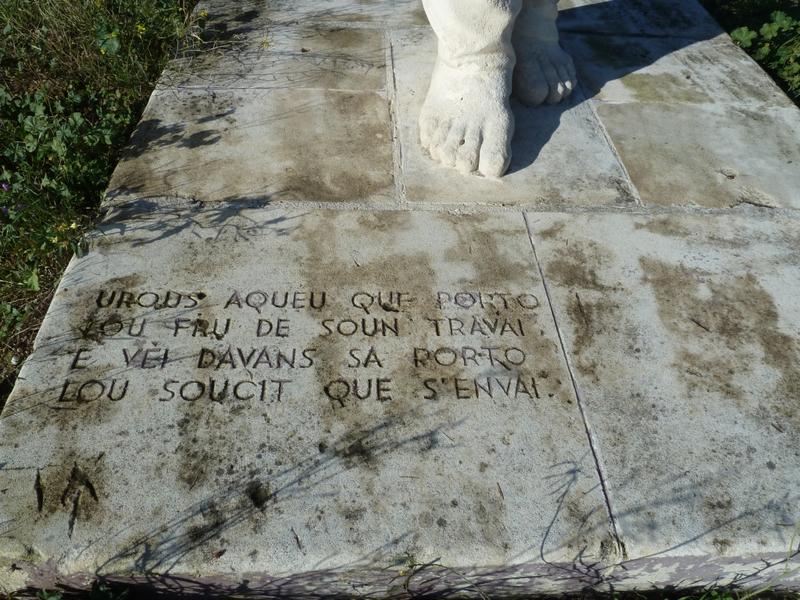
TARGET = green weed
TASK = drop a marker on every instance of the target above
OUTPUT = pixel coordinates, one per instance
(75, 77)
(770, 31)
(776, 44)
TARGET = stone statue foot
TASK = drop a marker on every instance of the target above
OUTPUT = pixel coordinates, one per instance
(466, 121)
(544, 73)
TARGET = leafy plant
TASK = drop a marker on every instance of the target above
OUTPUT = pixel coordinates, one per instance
(770, 31)
(101, 591)
(75, 77)
(776, 45)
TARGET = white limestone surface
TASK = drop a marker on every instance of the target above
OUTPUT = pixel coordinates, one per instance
(273, 57)
(671, 70)
(193, 417)
(717, 156)
(389, 13)
(234, 145)
(230, 390)
(320, 102)
(682, 333)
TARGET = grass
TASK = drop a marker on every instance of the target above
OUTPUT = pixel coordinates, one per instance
(75, 75)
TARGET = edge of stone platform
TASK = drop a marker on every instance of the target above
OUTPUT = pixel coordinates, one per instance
(755, 573)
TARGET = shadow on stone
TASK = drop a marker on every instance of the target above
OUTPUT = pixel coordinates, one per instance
(232, 217)
(616, 55)
(600, 56)
(152, 133)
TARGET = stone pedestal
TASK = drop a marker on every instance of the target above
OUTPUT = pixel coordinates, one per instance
(299, 358)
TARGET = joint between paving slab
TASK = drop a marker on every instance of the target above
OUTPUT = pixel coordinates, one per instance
(593, 444)
(466, 208)
(397, 147)
(637, 198)
(345, 24)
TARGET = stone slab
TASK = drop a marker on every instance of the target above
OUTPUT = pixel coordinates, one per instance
(682, 331)
(190, 408)
(704, 108)
(671, 70)
(234, 145)
(272, 57)
(392, 13)
(324, 108)
(708, 155)
(560, 153)
(362, 13)
(650, 437)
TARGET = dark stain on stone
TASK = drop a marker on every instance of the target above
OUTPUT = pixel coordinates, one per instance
(259, 493)
(495, 267)
(385, 222)
(430, 441)
(676, 227)
(610, 549)
(203, 439)
(576, 266)
(553, 231)
(363, 166)
(39, 489)
(368, 271)
(591, 320)
(650, 87)
(214, 522)
(665, 226)
(721, 502)
(77, 479)
(357, 453)
(722, 545)
(78, 496)
(489, 512)
(247, 16)
(354, 514)
(741, 332)
(419, 17)
(591, 306)
(348, 38)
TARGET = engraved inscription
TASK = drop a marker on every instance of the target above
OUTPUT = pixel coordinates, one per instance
(251, 346)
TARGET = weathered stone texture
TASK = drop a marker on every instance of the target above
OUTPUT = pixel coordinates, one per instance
(492, 398)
